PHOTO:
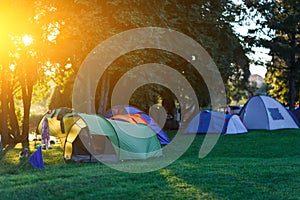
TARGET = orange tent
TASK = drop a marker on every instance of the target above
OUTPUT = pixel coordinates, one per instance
(132, 118)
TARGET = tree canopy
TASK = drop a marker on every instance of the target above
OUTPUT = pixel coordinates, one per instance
(277, 28)
(207, 22)
(48, 40)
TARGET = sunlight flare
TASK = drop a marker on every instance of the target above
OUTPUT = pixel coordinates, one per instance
(27, 40)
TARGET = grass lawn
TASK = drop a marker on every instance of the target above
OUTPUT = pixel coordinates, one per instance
(257, 165)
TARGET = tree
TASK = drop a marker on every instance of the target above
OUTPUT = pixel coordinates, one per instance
(21, 67)
(14, 76)
(280, 20)
(208, 22)
(276, 76)
(64, 33)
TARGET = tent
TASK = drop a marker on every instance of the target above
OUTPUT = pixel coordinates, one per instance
(132, 118)
(215, 122)
(235, 125)
(130, 112)
(265, 113)
(296, 115)
(89, 138)
(121, 110)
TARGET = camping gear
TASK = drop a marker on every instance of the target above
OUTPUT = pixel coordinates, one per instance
(36, 159)
(130, 113)
(235, 109)
(90, 138)
(132, 118)
(23, 153)
(235, 125)
(296, 115)
(265, 113)
(215, 122)
(121, 110)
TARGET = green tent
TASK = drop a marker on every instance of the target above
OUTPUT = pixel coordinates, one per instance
(88, 138)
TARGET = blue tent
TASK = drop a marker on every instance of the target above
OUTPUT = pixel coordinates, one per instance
(215, 122)
(296, 115)
(120, 109)
(200, 123)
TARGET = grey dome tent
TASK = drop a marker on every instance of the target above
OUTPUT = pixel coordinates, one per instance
(265, 113)
(89, 138)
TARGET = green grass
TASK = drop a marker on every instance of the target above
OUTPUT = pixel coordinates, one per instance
(257, 165)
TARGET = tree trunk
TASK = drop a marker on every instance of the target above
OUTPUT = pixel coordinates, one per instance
(299, 98)
(27, 96)
(4, 114)
(107, 86)
(104, 94)
(292, 73)
(292, 89)
(13, 120)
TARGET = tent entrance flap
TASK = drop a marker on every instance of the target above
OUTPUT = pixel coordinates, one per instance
(86, 147)
(102, 149)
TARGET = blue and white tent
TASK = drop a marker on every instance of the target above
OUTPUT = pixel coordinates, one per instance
(265, 113)
(215, 122)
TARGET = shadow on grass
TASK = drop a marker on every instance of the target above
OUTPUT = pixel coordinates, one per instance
(257, 165)
(10, 162)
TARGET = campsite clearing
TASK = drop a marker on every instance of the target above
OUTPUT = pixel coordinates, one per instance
(257, 165)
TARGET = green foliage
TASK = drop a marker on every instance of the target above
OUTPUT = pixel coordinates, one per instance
(236, 95)
(257, 165)
(21, 60)
(278, 29)
(64, 33)
(208, 22)
(276, 78)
